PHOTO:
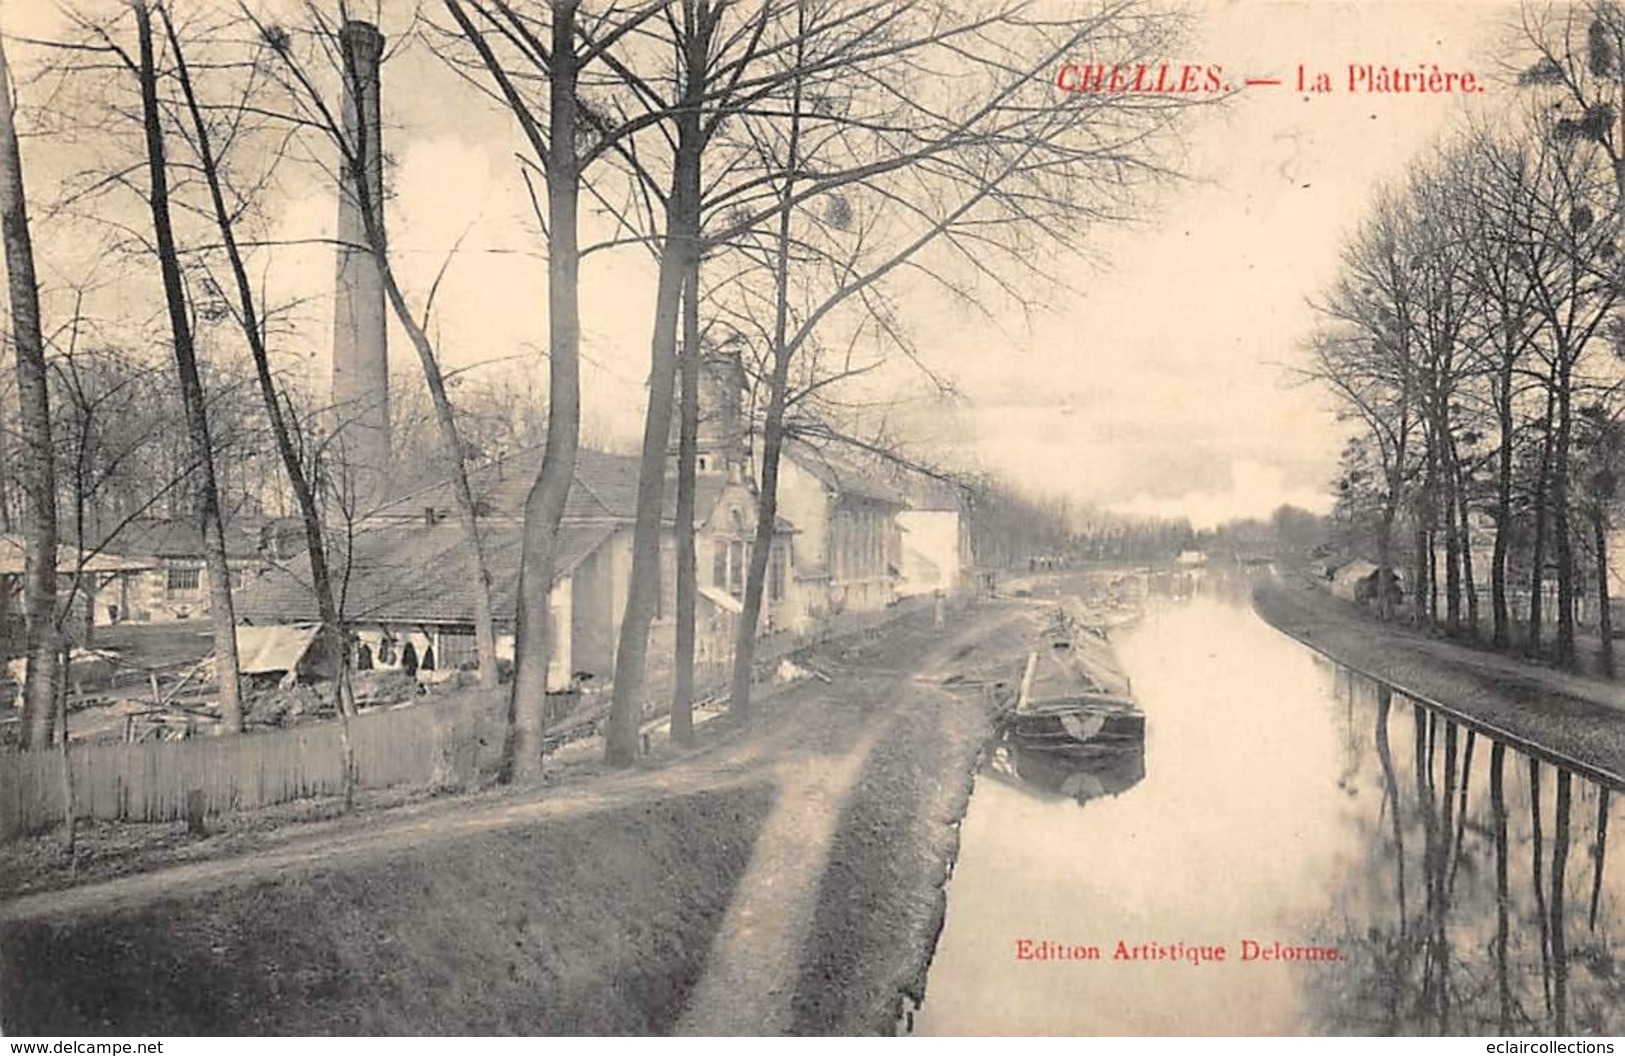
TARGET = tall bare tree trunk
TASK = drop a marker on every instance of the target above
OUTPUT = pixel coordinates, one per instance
(1605, 614)
(249, 321)
(682, 234)
(1468, 577)
(688, 426)
(1501, 632)
(197, 419)
(544, 506)
(767, 505)
(1537, 574)
(36, 471)
(451, 441)
(1448, 480)
(1460, 515)
(772, 427)
(1385, 563)
(1421, 543)
(1562, 534)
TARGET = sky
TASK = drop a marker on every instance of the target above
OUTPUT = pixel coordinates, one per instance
(1158, 379)
(1169, 384)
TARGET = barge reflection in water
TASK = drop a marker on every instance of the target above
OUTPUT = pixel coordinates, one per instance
(1467, 886)
(1080, 777)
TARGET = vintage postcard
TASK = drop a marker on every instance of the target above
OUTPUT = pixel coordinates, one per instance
(812, 517)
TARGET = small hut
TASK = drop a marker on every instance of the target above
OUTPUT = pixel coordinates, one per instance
(1357, 581)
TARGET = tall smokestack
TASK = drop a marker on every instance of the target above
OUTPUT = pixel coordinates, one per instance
(360, 348)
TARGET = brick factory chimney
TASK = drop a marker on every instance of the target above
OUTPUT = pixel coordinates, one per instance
(360, 346)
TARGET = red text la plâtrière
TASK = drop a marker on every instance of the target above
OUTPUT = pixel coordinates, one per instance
(1174, 78)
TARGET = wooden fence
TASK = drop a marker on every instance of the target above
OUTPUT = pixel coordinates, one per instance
(427, 744)
(433, 743)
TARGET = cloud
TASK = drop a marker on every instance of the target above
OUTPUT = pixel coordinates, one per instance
(1255, 490)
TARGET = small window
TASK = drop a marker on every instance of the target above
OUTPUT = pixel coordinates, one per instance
(457, 650)
(719, 566)
(775, 574)
(736, 569)
(184, 580)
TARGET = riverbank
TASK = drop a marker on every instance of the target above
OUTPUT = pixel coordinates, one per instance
(785, 879)
(519, 931)
(1575, 721)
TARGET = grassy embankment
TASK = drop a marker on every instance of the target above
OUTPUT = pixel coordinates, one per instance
(596, 924)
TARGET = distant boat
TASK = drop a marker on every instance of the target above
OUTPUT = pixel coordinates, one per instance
(1073, 698)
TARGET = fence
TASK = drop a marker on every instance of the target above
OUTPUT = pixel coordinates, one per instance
(425, 744)
(440, 744)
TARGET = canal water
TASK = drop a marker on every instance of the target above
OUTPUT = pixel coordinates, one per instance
(1418, 877)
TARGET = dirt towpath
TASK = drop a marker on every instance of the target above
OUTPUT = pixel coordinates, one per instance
(746, 986)
(759, 954)
(1574, 721)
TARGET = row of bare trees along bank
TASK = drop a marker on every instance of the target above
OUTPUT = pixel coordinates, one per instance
(1475, 337)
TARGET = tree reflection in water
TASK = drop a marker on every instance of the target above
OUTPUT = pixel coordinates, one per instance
(1482, 953)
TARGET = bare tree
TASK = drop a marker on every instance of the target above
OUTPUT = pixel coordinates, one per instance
(247, 314)
(1601, 444)
(34, 422)
(1573, 301)
(558, 48)
(752, 73)
(1369, 357)
(633, 104)
(197, 421)
(1498, 233)
(1578, 54)
(1446, 303)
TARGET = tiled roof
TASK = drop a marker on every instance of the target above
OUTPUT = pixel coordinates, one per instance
(69, 562)
(843, 472)
(605, 489)
(183, 537)
(412, 573)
